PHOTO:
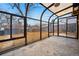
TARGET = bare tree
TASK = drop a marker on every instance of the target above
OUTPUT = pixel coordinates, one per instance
(18, 7)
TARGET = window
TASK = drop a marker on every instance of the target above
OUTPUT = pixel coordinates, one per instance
(72, 27)
(33, 30)
(44, 29)
(4, 26)
(17, 27)
(62, 27)
(55, 27)
(50, 29)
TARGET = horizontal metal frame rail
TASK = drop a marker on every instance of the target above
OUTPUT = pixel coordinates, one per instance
(20, 16)
(11, 39)
(35, 19)
(11, 14)
(68, 17)
(65, 14)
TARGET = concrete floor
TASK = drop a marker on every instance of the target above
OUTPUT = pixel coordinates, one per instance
(53, 46)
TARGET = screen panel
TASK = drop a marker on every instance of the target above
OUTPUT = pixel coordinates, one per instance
(55, 27)
(4, 26)
(44, 30)
(33, 30)
(62, 27)
(72, 27)
(17, 27)
(11, 44)
(51, 29)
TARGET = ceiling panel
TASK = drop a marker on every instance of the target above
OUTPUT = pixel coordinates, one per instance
(46, 4)
(60, 7)
(65, 11)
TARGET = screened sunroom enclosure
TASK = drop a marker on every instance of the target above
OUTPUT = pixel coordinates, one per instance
(41, 21)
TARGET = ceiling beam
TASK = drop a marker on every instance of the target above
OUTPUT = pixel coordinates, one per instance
(63, 9)
(65, 14)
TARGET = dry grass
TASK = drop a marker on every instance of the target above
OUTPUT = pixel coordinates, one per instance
(31, 37)
(4, 37)
(34, 36)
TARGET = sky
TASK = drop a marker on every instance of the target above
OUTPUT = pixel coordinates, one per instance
(35, 11)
